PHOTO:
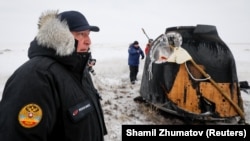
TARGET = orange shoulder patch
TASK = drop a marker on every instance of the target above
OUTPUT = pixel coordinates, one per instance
(30, 115)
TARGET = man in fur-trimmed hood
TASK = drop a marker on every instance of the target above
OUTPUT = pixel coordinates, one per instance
(52, 94)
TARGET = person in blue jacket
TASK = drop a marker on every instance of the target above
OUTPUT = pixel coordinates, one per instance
(134, 52)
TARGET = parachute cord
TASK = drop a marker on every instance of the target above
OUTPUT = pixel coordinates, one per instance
(193, 76)
(150, 70)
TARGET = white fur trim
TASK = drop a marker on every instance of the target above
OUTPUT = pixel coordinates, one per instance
(54, 33)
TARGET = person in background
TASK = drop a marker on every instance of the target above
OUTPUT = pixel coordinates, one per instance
(134, 52)
(52, 94)
(148, 46)
(90, 66)
(91, 63)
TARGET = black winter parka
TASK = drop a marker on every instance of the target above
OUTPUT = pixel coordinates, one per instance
(56, 87)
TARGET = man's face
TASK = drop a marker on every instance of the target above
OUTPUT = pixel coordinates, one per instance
(83, 40)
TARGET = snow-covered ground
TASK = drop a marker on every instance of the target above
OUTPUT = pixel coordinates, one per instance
(112, 81)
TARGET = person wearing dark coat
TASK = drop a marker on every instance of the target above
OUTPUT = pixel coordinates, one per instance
(134, 52)
(52, 95)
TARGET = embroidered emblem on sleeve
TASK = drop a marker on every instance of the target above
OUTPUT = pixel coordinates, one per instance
(30, 115)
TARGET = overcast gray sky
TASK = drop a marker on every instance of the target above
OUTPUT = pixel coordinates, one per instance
(120, 21)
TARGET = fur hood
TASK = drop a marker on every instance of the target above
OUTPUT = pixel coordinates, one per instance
(55, 34)
(54, 40)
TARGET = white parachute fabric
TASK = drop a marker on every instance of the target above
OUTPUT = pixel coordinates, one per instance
(179, 56)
